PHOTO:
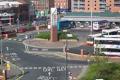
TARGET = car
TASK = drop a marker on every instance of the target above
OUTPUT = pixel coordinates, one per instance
(21, 30)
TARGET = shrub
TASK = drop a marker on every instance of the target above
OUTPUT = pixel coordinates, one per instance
(44, 35)
(63, 35)
(106, 71)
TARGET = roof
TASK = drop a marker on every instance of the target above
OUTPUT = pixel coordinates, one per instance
(23, 1)
(99, 14)
(10, 3)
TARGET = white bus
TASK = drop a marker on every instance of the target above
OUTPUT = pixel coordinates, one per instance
(111, 36)
(108, 46)
(90, 39)
(96, 26)
(99, 25)
(111, 31)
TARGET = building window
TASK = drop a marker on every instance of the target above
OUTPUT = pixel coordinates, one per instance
(95, 8)
(88, 5)
(88, 8)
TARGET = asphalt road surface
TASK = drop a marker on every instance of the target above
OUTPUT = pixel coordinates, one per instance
(39, 67)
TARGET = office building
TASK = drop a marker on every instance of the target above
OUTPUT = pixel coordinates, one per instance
(63, 5)
(42, 7)
(95, 5)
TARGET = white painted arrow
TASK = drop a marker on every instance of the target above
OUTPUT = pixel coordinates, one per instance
(49, 73)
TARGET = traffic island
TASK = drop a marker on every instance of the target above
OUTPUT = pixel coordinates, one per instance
(38, 43)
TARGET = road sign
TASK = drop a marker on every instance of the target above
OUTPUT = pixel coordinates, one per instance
(54, 16)
(69, 35)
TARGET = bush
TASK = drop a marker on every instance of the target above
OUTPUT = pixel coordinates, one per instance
(106, 71)
(61, 35)
(44, 35)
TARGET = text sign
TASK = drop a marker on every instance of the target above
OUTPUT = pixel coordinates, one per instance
(53, 16)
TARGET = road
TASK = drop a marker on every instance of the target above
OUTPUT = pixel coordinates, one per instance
(81, 33)
(38, 67)
(44, 67)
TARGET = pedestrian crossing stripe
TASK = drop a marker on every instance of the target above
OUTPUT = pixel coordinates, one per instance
(69, 67)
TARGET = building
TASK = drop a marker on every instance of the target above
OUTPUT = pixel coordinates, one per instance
(63, 5)
(95, 5)
(42, 7)
(10, 11)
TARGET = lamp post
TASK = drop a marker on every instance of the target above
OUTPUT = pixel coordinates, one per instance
(91, 14)
(65, 51)
(66, 56)
(18, 16)
(1, 46)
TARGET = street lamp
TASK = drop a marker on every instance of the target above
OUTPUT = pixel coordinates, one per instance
(1, 45)
(65, 50)
(91, 14)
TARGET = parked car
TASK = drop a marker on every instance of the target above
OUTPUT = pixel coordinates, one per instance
(21, 30)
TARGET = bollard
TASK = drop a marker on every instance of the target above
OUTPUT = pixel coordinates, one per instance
(81, 54)
(4, 75)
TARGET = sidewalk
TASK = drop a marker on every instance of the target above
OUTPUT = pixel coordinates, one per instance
(39, 43)
(15, 72)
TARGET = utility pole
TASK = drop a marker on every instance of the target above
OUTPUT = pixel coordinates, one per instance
(91, 12)
(1, 55)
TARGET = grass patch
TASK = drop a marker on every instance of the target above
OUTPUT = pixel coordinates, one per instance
(43, 35)
(61, 35)
(106, 71)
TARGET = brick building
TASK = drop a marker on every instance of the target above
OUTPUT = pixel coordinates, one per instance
(95, 5)
(42, 6)
(63, 5)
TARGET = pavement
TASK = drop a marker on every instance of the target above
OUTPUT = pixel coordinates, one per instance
(41, 43)
(14, 72)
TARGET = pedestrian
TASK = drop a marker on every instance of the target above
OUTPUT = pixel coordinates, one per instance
(26, 36)
(70, 76)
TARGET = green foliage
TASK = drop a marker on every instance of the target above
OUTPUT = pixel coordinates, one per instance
(29, 25)
(44, 35)
(61, 35)
(106, 71)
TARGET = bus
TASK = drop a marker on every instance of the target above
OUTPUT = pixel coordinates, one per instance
(108, 46)
(111, 36)
(61, 25)
(90, 38)
(99, 25)
(111, 31)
